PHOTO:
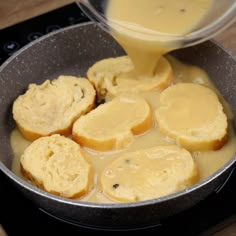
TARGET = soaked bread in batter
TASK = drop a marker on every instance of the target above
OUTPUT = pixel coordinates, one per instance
(58, 165)
(118, 121)
(53, 106)
(113, 76)
(149, 173)
(193, 116)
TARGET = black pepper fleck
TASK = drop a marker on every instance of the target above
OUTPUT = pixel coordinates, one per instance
(100, 101)
(115, 186)
(182, 10)
(127, 161)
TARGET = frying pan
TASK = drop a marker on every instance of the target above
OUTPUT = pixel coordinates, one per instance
(71, 51)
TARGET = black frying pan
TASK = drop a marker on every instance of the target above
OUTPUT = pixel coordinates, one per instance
(71, 51)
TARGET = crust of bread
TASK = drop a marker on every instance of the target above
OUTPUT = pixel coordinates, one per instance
(149, 173)
(57, 165)
(53, 106)
(112, 126)
(113, 76)
(192, 115)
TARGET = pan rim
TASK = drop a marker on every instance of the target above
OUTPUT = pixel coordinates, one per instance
(23, 183)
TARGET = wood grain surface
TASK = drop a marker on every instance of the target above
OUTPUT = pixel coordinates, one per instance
(14, 11)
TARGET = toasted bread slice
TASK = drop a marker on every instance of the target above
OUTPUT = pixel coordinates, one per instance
(113, 76)
(53, 106)
(112, 125)
(149, 173)
(57, 165)
(193, 116)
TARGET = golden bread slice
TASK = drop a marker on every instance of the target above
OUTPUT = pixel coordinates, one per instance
(193, 116)
(149, 173)
(112, 125)
(113, 76)
(57, 165)
(53, 106)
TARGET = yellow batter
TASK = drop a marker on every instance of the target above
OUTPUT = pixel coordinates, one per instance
(137, 24)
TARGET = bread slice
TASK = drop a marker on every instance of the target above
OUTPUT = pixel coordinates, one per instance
(112, 125)
(53, 106)
(193, 116)
(113, 76)
(149, 173)
(57, 165)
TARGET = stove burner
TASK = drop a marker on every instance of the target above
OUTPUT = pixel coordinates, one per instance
(91, 227)
(225, 182)
(16, 36)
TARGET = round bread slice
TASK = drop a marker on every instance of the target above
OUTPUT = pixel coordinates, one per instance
(113, 76)
(57, 165)
(193, 116)
(112, 125)
(53, 106)
(149, 173)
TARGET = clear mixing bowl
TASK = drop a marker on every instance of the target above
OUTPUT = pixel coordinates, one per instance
(222, 14)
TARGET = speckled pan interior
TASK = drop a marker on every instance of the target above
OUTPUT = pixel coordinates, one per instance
(71, 51)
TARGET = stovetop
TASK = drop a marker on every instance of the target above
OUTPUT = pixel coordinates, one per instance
(16, 36)
(19, 216)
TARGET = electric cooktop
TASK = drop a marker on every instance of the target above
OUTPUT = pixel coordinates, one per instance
(19, 216)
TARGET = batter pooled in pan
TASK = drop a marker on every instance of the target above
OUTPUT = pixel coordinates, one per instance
(150, 136)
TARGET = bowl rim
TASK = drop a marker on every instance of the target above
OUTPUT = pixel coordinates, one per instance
(189, 39)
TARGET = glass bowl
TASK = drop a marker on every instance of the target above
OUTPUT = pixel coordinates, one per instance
(219, 18)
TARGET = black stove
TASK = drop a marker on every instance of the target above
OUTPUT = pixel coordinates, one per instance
(19, 216)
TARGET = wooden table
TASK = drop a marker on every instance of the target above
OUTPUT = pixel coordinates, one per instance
(14, 11)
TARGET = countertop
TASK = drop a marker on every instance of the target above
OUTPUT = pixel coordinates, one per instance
(14, 11)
